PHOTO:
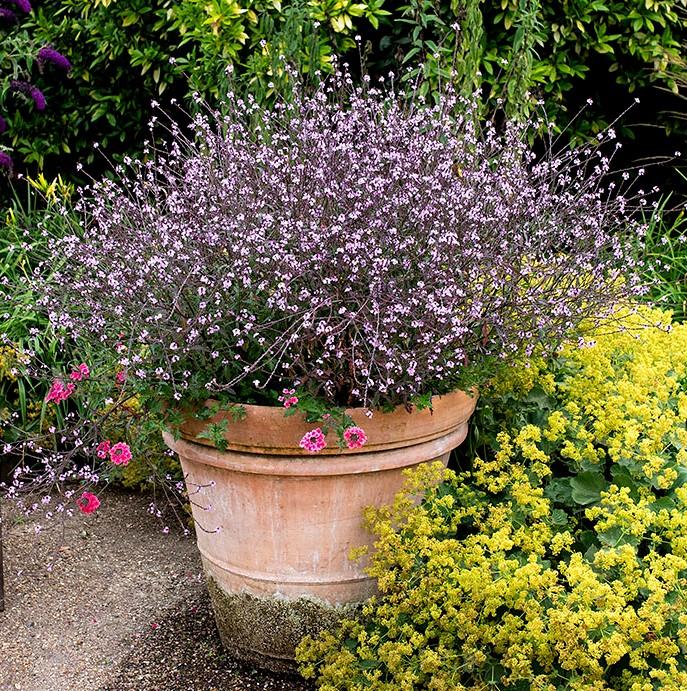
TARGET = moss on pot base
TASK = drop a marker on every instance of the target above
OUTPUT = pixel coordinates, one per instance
(265, 631)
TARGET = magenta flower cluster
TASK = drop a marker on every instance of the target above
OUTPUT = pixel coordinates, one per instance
(119, 453)
(314, 440)
(287, 398)
(60, 392)
(367, 248)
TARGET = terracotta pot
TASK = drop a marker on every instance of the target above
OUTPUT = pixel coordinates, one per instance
(275, 523)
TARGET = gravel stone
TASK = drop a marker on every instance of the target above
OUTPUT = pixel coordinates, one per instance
(107, 602)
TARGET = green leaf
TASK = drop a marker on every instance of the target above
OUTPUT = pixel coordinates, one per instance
(588, 539)
(616, 537)
(540, 397)
(663, 503)
(493, 674)
(238, 413)
(559, 517)
(587, 487)
(215, 432)
(559, 490)
(681, 475)
(623, 478)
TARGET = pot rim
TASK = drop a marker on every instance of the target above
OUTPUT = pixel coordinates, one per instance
(317, 465)
(266, 430)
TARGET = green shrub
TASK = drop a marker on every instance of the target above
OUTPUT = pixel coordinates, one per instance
(559, 559)
(23, 245)
(561, 51)
(664, 252)
(127, 53)
(121, 52)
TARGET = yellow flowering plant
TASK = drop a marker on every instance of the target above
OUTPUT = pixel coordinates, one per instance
(557, 558)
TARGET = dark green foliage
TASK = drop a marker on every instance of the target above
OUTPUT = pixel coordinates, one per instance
(563, 52)
(665, 255)
(22, 246)
(127, 53)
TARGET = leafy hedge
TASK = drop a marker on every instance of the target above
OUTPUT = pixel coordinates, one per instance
(559, 559)
(127, 53)
(24, 230)
(564, 52)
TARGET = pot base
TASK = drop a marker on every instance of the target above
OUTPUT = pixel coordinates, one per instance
(264, 631)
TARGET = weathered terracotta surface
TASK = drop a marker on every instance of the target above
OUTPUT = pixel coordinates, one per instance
(277, 523)
(265, 429)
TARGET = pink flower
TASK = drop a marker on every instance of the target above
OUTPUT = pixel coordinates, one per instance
(88, 502)
(81, 372)
(120, 377)
(313, 441)
(59, 392)
(103, 449)
(288, 398)
(355, 437)
(55, 391)
(120, 454)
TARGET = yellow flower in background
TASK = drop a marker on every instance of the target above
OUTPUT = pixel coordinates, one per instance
(54, 190)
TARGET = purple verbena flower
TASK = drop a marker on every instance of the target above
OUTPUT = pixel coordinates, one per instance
(55, 58)
(3, 124)
(366, 246)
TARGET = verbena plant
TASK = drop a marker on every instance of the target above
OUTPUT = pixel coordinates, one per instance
(31, 352)
(367, 248)
(362, 248)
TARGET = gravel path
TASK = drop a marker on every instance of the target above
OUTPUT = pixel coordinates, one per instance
(122, 608)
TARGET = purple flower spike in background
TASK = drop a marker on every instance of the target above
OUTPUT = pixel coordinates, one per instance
(5, 160)
(33, 92)
(3, 124)
(54, 58)
(7, 15)
(22, 5)
(38, 98)
(21, 86)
